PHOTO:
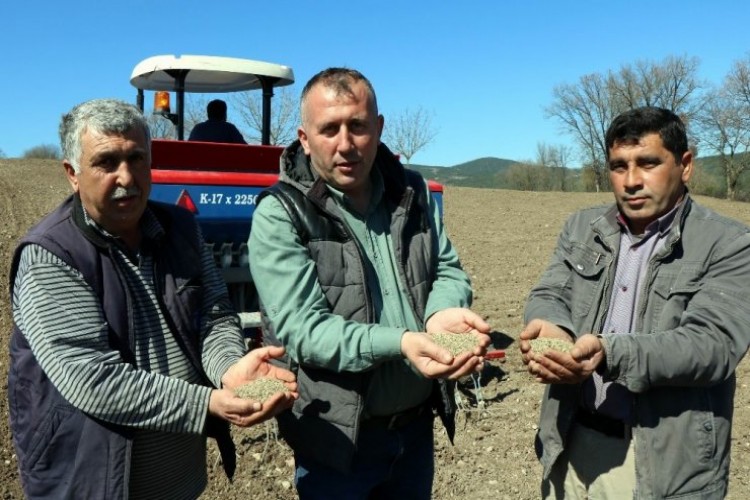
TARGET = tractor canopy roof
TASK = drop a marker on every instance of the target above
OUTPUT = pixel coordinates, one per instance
(207, 74)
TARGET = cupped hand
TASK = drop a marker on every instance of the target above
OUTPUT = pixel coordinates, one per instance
(539, 328)
(457, 320)
(434, 361)
(555, 367)
(242, 412)
(256, 364)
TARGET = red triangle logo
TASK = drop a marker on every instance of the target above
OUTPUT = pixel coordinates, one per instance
(185, 201)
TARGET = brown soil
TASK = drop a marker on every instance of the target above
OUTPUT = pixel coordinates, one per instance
(504, 239)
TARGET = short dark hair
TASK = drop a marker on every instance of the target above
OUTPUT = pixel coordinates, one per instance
(631, 125)
(217, 110)
(340, 80)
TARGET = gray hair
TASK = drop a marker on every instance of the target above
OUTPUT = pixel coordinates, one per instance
(103, 116)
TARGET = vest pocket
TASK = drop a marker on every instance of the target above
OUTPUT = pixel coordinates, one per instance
(49, 448)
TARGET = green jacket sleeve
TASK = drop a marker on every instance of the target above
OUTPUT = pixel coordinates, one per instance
(288, 288)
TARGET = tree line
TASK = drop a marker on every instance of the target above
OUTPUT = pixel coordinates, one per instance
(717, 117)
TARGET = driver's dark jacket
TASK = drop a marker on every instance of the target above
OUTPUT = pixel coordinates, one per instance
(692, 328)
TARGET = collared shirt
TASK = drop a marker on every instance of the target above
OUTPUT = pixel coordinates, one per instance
(395, 386)
(297, 307)
(634, 256)
(159, 397)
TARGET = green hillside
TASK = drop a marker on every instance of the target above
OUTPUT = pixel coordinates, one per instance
(482, 172)
(493, 173)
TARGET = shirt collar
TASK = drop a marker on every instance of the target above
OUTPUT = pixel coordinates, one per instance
(150, 226)
(662, 225)
(378, 189)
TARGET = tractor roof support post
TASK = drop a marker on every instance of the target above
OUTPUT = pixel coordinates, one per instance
(181, 111)
(179, 76)
(267, 85)
(139, 100)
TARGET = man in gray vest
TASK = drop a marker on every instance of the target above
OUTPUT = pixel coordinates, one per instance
(651, 294)
(125, 348)
(352, 266)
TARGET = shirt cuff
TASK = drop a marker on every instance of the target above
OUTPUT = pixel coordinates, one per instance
(386, 342)
(200, 412)
(223, 366)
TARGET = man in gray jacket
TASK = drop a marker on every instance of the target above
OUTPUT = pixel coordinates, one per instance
(652, 294)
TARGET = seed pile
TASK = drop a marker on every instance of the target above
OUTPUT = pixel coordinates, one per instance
(260, 389)
(542, 345)
(456, 343)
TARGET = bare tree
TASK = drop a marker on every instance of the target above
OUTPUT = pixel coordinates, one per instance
(555, 159)
(522, 176)
(43, 152)
(670, 84)
(160, 127)
(528, 176)
(409, 132)
(284, 115)
(737, 82)
(702, 182)
(725, 130)
(586, 108)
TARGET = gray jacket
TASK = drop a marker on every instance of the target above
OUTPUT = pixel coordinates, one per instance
(692, 329)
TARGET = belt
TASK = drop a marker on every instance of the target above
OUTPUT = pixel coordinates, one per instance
(606, 425)
(397, 420)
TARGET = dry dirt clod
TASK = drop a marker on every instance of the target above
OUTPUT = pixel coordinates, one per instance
(260, 389)
(543, 345)
(456, 343)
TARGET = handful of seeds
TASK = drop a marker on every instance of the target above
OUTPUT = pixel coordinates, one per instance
(260, 389)
(456, 343)
(542, 345)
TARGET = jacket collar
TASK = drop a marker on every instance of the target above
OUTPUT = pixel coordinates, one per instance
(296, 169)
(607, 225)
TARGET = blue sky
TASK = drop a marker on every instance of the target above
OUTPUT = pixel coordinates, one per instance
(484, 69)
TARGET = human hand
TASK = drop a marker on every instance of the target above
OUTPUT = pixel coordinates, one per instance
(434, 361)
(539, 328)
(457, 320)
(254, 365)
(555, 367)
(460, 320)
(241, 412)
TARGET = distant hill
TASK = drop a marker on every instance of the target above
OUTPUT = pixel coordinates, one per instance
(489, 172)
(482, 172)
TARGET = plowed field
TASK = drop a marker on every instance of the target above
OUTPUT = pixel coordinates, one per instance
(504, 239)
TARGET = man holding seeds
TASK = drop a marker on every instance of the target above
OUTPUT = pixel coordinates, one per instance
(650, 300)
(352, 264)
(125, 348)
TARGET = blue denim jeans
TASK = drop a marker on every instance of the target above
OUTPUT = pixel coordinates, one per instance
(388, 464)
